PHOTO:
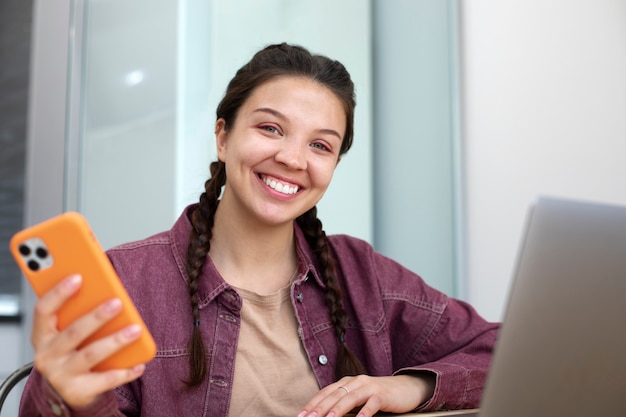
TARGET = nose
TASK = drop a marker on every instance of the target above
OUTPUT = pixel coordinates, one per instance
(291, 154)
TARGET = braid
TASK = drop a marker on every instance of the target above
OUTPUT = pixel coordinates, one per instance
(347, 363)
(202, 220)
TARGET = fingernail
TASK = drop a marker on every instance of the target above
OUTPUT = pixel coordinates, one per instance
(302, 413)
(132, 331)
(113, 306)
(72, 282)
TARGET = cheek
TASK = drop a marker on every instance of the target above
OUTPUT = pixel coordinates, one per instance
(322, 175)
(239, 156)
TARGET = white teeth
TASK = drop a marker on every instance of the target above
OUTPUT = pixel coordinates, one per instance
(281, 188)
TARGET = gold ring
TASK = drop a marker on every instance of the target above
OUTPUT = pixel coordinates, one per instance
(345, 389)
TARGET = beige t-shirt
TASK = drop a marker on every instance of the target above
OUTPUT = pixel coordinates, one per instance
(273, 376)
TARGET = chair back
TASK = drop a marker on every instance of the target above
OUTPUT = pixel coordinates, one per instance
(12, 380)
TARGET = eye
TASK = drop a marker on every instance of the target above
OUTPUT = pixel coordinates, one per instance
(270, 128)
(320, 146)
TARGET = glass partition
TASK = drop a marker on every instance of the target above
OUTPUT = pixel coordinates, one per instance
(152, 74)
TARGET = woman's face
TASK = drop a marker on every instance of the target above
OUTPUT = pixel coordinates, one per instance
(282, 150)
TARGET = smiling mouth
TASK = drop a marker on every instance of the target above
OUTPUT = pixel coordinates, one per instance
(279, 186)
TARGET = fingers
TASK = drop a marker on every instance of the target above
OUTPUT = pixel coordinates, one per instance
(336, 399)
(365, 395)
(85, 388)
(92, 354)
(64, 351)
(44, 319)
(71, 376)
(79, 330)
(82, 359)
(60, 356)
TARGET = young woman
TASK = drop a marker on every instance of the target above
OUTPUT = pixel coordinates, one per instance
(255, 311)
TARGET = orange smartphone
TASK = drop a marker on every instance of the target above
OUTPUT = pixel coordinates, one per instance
(51, 251)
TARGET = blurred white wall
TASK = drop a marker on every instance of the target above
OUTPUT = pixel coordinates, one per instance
(544, 112)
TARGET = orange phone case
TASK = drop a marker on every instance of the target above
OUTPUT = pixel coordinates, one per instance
(51, 251)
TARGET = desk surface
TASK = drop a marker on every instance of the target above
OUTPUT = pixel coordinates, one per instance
(466, 413)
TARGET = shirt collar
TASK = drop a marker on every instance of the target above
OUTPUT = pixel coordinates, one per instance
(306, 259)
(211, 283)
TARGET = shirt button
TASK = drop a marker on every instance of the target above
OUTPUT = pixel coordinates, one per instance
(322, 359)
(56, 408)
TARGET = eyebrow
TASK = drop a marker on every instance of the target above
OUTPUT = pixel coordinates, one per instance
(283, 117)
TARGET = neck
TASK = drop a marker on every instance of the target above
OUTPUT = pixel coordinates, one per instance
(259, 258)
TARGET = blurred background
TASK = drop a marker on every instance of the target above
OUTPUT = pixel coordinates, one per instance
(466, 112)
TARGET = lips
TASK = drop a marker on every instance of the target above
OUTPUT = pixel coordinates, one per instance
(280, 186)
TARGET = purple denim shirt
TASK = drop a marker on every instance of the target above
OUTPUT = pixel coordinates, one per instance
(397, 324)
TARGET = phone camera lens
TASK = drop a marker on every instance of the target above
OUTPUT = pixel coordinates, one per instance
(41, 253)
(24, 250)
(33, 265)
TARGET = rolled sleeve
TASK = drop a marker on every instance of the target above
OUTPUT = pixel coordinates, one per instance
(456, 388)
(461, 372)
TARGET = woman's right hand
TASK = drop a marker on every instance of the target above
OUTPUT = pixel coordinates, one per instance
(57, 355)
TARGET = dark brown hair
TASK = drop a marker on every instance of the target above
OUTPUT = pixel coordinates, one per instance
(271, 62)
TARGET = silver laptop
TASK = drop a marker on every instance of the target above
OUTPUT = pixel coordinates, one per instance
(561, 351)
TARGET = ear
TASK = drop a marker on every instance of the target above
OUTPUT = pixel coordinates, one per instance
(221, 137)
